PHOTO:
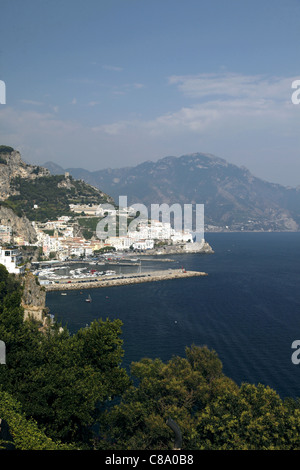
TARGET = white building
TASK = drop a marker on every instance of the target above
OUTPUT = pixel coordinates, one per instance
(11, 258)
(86, 209)
(5, 233)
(143, 244)
(119, 243)
(179, 237)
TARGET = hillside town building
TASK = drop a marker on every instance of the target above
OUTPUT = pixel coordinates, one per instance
(11, 259)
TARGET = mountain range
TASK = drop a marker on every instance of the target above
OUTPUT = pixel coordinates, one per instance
(234, 199)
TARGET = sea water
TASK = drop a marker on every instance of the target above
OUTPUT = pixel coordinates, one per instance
(247, 309)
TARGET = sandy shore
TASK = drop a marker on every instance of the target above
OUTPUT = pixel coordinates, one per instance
(125, 279)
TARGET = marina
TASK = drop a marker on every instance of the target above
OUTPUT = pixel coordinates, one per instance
(54, 274)
(117, 280)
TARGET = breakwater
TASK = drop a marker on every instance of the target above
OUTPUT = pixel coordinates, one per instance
(120, 280)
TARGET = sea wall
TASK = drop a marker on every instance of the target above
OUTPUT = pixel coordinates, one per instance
(124, 280)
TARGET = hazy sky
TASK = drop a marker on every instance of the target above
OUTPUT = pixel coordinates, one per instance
(112, 83)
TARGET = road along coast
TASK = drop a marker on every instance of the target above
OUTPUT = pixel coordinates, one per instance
(121, 280)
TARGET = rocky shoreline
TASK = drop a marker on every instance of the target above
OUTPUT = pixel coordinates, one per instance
(180, 248)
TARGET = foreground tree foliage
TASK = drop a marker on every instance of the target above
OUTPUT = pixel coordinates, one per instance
(55, 389)
(212, 412)
(59, 380)
(23, 433)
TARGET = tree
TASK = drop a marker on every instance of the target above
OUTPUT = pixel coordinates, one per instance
(63, 379)
(23, 433)
(251, 418)
(212, 412)
(178, 389)
(6, 149)
(59, 379)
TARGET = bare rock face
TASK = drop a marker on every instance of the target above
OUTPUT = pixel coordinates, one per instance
(33, 299)
(21, 226)
(182, 248)
(12, 166)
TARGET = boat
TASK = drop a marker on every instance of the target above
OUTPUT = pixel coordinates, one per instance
(63, 293)
(89, 299)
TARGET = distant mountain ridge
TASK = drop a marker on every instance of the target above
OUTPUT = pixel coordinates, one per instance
(234, 199)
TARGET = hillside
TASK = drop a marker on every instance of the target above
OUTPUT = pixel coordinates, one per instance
(234, 199)
(20, 226)
(32, 192)
(11, 167)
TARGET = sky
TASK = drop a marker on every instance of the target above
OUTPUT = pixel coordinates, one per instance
(112, 83)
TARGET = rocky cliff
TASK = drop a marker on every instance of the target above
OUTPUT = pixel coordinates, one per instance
(21, 226)
(180, 248)
(12, 166)
(33, 299)
(31, 193)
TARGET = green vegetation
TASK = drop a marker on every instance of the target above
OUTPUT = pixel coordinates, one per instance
(55, 389)
(49, 232)
(212, 412)
(59, 380)
(52, 196)
(13, 207)
(88, 226)
(24, 434)
(104, 249)
(5, 149)
(89, 222)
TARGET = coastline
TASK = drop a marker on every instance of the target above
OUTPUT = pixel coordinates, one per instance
(121, 280)
(179, 249)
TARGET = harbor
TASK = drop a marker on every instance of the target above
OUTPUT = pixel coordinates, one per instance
(119, 280)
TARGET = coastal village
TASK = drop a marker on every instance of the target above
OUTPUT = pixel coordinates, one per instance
(59, 234)
(58, 242)
(67, 261)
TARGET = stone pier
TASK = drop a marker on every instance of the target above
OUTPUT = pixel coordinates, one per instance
(121, 280)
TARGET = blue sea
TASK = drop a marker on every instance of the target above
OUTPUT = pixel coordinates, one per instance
(247, 309)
